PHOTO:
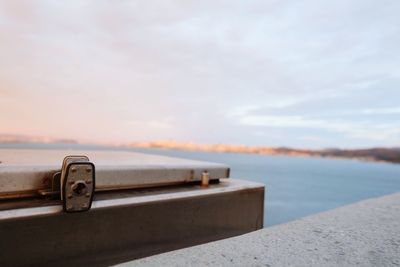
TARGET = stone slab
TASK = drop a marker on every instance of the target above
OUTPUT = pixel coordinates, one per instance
(362, 234)
(24, 171)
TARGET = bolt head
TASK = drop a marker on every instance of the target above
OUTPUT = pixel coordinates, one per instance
(73, 169)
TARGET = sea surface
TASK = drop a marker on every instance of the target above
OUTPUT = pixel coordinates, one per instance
(295, 186)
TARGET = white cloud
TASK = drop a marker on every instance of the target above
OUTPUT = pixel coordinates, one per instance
(356, 129)
(381, 111)
(166, 123)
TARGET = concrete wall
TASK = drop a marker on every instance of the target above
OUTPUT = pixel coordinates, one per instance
(363, 234)
(122, 229)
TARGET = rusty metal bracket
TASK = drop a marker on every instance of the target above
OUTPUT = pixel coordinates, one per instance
(74, 184)
(53, 191)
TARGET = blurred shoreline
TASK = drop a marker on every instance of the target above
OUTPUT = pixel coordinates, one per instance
(391, 155)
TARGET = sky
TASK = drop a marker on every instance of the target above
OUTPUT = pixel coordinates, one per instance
(306, 74)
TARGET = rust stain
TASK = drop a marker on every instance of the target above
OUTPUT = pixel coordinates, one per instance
(18, 194)
(228, 172)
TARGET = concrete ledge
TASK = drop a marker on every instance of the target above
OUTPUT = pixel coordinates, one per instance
(365, 234)
(130, 226)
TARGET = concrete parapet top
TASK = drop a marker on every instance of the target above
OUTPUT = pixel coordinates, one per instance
(366, 233)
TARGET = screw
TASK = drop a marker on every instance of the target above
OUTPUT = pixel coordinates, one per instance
(88, 170)
(73, 169)
(87, 195)
(69, 195)
(69, 207)
(84, 205)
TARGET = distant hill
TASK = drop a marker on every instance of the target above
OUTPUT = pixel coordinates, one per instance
(15, 138)
(373, 154)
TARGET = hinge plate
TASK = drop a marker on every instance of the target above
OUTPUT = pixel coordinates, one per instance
(77, 183)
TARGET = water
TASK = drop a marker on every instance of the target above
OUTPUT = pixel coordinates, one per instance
(301, 186)
(295, 186)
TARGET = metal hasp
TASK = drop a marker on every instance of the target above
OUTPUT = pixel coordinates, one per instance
(77, 183)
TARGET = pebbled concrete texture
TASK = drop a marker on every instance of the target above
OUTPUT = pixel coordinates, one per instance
(362, 234)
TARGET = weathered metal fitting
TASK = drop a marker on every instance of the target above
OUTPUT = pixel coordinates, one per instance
(77, 183)
(205, 179)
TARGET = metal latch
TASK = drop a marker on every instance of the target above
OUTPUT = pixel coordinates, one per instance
(77, 183)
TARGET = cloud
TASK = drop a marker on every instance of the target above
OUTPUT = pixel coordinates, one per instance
(395, 110)
(356, 129)
(152, 124)
(225, 67)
